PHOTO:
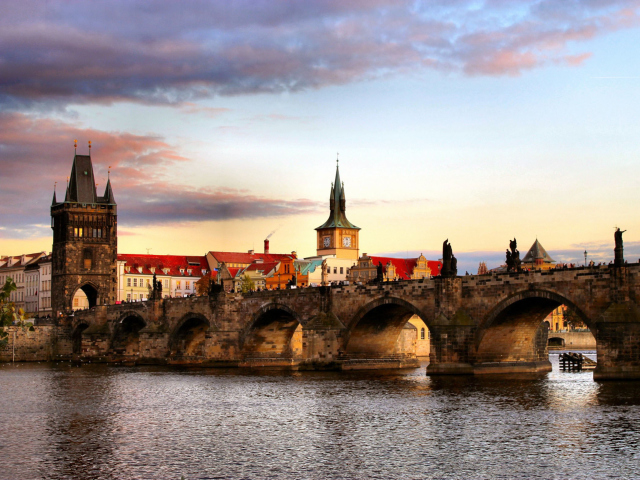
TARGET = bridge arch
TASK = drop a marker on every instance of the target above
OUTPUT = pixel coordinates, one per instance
(76, 337)
(90, 290)
(189, 336)
(515, 331)
(126, 333)
(274, 332)
(374, 329)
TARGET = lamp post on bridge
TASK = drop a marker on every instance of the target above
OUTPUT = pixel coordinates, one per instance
(585, 258)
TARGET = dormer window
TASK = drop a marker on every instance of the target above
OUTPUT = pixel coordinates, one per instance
(182, 271)
(189, 271)
(139, 269)
(153, 269)
(165, 270)
(127, 269)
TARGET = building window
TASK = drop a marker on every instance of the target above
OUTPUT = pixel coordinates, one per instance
(335, 270)
(128, 297)
(178, 285)
(187, 285)
(422, 334)
(128, 282)
(341, 270)
(328, 269)
(87, 258)
(166, 284)
(135, 282)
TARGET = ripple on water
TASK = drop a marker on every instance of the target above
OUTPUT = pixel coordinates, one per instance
(100, 422)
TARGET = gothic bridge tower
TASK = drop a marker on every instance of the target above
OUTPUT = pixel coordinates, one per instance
(85, 241)
(338, 236)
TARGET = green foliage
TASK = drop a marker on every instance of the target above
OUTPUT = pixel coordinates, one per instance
(247, 284)
(9, 315)
(572, 318)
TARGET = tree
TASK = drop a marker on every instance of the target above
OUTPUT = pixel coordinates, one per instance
(247, 284)
(571, 317)
(202, 285)
(8, 313)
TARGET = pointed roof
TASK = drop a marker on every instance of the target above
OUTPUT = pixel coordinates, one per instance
(82, 186)
(337, 206)
(537, 252)
(54, 201)
(108, 194)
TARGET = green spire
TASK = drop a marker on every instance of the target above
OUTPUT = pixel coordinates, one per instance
(337, 206)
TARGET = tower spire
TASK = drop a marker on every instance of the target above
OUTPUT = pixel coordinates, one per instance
(337, 204)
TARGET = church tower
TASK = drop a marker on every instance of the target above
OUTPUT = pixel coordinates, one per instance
(85, 242)
(338, 236)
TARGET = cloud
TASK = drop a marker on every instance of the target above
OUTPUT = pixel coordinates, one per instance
(175, 53)
(35, 153)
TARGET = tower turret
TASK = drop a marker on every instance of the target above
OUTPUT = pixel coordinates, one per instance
(84, 241)
(338, 236)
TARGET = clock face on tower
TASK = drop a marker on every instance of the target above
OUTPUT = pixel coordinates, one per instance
(346, 241)
(326, 242)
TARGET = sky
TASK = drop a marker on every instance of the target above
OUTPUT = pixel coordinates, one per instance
(221, 122)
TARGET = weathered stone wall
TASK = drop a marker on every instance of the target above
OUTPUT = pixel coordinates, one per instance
(68, 262)
(574, 340)
(39, 344)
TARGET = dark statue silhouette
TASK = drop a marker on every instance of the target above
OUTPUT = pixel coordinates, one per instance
(618, 250)
(449, 261)
(513, 257)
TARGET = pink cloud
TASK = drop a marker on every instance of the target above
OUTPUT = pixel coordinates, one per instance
(141, 169)
(176, 53)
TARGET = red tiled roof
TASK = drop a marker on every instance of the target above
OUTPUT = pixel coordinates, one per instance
(29, 257)
(248, 258)
(405, 266)
(265, 268)
(234, 271)
(173, 262)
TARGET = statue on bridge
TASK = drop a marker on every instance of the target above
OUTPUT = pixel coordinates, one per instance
(618, 250)
(379, 273)
(155, 288)
(513, 257)
(449, 262)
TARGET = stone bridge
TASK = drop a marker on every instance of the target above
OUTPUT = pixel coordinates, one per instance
(478, 324)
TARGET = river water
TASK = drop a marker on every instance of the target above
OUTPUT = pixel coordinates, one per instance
(100, 422)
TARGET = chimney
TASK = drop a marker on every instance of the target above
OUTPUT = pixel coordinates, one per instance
(250, 252)
(266, 246)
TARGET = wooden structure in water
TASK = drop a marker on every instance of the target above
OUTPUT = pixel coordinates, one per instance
(575, 362)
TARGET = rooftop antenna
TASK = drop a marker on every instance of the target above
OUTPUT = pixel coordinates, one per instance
(337, 158)
(89, 147)
(109, 173)
(75, 146)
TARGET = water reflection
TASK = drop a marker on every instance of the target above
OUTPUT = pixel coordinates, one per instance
(150, 422)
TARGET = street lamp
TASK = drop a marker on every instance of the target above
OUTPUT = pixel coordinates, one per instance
(585, 258)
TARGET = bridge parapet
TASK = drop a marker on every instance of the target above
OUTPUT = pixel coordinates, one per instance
(478, 323)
